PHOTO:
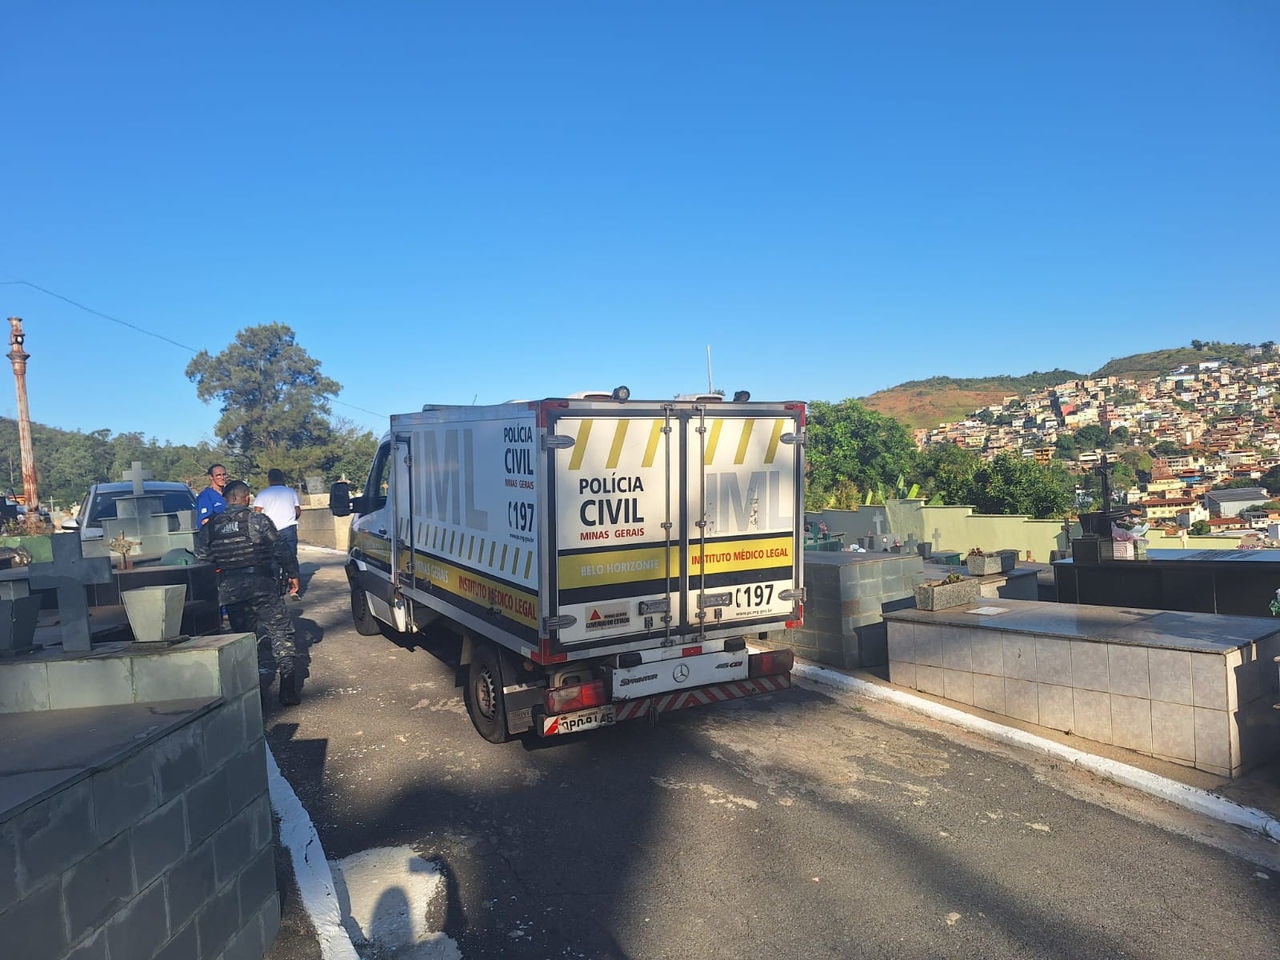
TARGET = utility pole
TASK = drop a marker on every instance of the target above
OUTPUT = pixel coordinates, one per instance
(19, 357)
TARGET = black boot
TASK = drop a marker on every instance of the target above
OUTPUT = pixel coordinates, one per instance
(265, 680)
(290, 689)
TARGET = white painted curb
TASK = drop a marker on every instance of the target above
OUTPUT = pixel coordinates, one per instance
(1190, 798)
(310, 867)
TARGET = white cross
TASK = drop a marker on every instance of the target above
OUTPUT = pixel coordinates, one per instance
(137, 475)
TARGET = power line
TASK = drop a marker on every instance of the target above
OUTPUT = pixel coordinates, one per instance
(142, 330)
(99, 313)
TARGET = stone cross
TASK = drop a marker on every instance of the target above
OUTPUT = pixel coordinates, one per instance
(937, 539)
(69, 573)
(137, 475)
(1104, 471)
(879, 522)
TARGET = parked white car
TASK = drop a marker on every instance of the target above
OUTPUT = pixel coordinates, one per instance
(100, 504)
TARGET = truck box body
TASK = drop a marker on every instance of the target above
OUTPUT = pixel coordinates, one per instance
(575, 530)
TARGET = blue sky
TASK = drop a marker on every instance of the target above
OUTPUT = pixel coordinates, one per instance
(482, 201)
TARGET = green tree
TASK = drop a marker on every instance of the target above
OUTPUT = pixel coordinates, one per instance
(849, 446)
(946, 471)
(1139, 461)
(1012, 484)
(67, 462)
(1270, 481)
(1241, 484)
(125, 449)
(79, 460)
(1093, 437)
(274, 402)
(182, 462)
(845, 495)
(350, 453)
(1200, 528)
(1065, 447)
(1123, 475)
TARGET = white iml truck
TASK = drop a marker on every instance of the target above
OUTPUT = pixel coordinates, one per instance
(602, 558)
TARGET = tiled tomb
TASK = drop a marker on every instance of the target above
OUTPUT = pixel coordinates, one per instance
(1193, 688)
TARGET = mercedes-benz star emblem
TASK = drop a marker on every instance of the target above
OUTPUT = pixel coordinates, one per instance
(681, 673)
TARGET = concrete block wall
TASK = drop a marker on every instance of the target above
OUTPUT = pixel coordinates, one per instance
(216, 666)
(1207, 710)
(164, 851)
(320, 528)
(959, 528)
(951, 528)
(843, 614)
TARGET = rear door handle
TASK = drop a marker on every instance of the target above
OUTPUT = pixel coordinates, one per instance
(382, 531)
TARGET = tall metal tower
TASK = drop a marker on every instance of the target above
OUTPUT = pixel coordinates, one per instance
(19, 357)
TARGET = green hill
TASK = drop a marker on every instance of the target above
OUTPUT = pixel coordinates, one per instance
(927, 403)
(1143, 366)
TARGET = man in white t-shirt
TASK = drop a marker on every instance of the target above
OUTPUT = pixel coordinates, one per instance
(280, 504)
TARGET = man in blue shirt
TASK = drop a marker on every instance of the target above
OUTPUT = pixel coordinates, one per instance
(245, 548)
(210, 500)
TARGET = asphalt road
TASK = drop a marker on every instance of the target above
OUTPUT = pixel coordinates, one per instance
(801, 825)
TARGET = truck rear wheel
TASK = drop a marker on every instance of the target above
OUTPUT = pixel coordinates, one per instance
(367, 624)
(485, 703)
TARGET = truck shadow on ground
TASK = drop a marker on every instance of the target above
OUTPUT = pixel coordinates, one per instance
(534, 869)
(637, 841)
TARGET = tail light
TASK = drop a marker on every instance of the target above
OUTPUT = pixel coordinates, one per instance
(798, 622)
(769, 662)
(578, 696)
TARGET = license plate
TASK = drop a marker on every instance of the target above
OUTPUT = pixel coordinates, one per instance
(579, 720)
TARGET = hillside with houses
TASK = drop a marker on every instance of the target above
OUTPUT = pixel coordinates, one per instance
(1204, 424)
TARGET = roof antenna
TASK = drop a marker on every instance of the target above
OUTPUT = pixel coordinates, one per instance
(710, 389)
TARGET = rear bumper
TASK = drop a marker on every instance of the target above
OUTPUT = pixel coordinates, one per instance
(661, 703)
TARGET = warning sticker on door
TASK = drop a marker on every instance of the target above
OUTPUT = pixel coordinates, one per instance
(608, 618)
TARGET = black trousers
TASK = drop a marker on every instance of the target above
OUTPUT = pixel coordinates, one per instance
(254, 604)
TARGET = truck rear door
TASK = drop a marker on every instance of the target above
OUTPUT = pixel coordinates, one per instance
(673, 520)
(615, 503)
(743, 485)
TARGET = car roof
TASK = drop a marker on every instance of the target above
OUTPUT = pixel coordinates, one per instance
(119, 486)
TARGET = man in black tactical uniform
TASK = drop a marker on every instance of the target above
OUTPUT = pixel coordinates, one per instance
(244, 545)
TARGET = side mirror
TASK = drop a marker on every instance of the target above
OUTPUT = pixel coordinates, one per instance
(340, 499)
(70, 524)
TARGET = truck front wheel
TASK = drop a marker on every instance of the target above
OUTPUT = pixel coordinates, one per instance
(485, 703)
(367, 624)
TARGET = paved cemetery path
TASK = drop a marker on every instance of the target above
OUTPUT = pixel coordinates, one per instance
(805, 825)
